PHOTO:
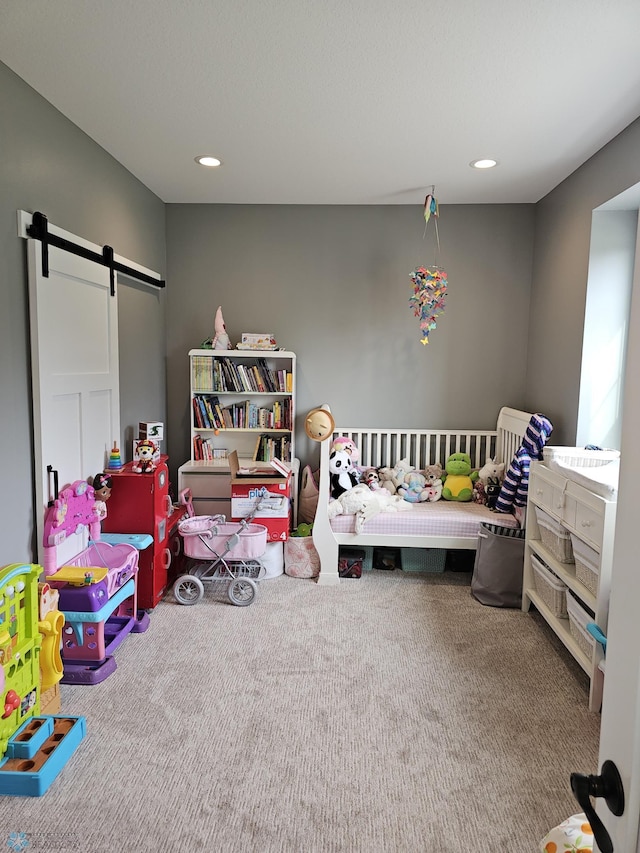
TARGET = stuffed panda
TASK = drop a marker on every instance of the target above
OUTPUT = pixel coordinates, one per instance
(343, 475)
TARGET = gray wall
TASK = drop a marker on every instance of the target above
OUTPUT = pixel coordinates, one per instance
(49, 165)
(560, 272)
(332, 284)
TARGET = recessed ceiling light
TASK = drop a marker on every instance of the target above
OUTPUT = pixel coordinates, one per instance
(207, 160)
(483, 164)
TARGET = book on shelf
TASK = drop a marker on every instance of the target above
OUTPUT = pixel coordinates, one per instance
(267, 376)
(205, 451)
(269, 447)
(257, 378)
(207, 413)
(256, 449)
(197, 414)
(281, 467)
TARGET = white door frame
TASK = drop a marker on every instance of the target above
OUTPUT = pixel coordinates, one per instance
(620, 726)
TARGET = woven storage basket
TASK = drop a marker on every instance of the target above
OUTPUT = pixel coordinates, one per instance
(550, 588)
(579, 457)
(578, 620)
(554, 537)
(423, 559)
(587, 564)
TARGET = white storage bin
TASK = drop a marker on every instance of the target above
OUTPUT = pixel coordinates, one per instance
(578, 620)
(554, 537)
(587, 562)
(273, 559)
(579, 456)
(550, 588)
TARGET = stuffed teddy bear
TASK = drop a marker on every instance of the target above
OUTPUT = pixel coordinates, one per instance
(433, 477)
(413, 489)
(385, 475)
(458, 483)
(400, 471)
(392, 478)
(342, 473)
(371, 478)
(479, 495)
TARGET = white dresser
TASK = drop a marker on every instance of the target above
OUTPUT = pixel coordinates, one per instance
(572, 513)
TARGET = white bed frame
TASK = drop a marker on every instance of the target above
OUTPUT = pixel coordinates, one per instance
(380, 447)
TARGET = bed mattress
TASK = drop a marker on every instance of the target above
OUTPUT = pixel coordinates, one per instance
(440, 518)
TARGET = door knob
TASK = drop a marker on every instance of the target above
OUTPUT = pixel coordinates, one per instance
(607, 785)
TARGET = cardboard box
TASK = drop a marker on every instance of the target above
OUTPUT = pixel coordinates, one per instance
(258, 339)
(151, 429)
(261, 484)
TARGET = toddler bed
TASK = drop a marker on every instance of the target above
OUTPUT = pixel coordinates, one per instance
(439, 524)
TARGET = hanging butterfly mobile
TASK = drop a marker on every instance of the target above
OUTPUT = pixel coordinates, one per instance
(428, 300)
(429, 284)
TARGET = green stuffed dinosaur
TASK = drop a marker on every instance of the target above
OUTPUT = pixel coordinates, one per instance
(459, 479)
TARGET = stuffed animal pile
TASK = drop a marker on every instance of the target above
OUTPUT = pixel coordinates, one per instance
(393, 487)
(366, 492)
(487, 487)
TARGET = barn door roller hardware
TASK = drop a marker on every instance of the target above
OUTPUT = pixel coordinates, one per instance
(39, 230)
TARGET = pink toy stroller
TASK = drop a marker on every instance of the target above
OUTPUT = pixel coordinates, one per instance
(220, 551)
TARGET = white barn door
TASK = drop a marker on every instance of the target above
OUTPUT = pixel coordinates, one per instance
(74, 352)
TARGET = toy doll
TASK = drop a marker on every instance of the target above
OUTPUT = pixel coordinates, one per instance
(102, 485)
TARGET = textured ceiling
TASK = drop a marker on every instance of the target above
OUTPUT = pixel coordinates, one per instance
(336, 101)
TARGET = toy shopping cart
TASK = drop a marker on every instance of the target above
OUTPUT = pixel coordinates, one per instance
(222, 552)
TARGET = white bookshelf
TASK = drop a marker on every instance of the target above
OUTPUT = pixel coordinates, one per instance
(255, 392)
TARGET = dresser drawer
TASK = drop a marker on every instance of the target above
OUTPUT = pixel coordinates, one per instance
(212, 506)
(207, 484)
(589, 525)
(548, 497)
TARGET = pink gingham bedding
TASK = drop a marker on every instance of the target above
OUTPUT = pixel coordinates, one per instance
(438, 518)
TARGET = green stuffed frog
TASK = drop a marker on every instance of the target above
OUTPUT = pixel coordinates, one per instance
(459, 479)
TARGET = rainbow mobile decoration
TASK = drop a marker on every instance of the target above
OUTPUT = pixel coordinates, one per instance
(429, 283)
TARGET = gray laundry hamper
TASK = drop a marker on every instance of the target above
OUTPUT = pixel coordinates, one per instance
(497, 571)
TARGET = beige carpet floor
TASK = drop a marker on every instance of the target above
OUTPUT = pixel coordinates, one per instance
(390, 713)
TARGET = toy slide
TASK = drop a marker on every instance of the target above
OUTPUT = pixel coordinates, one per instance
(50, 658)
